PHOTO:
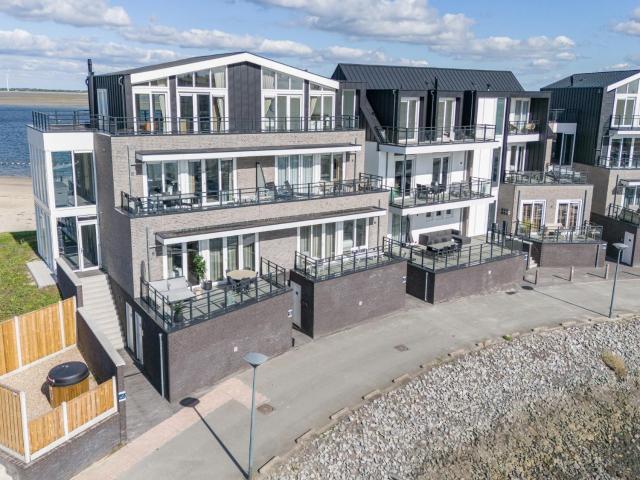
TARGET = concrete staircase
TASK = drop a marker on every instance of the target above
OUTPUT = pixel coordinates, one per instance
(98, 305)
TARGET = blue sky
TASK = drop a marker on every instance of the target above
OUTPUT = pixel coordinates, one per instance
(45, 43)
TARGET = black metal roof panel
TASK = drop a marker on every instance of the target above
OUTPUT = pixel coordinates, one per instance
(389, 77)
(593, 79)
(175, 63)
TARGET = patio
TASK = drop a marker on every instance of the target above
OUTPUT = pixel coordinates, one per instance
(325, 268)
(435, 194)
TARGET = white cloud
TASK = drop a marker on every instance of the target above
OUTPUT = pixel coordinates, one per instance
(415, 22)
(81, 13)
(631, 26)
(34, 47)
(215, 39)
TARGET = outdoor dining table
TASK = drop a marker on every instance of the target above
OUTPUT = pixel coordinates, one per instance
(242, 274)
(442, 246)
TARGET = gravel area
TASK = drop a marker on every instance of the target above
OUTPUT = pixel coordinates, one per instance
(538, 406)
(32, 381)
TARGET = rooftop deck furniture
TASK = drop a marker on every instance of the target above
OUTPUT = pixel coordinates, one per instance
(174, 289)
(443, 236)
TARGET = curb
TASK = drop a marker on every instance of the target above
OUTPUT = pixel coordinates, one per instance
(340, 413)
(268, 465)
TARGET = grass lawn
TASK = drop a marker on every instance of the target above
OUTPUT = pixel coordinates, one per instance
(18, 292)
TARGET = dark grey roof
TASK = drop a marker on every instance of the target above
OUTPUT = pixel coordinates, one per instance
(388, 77)
(266, 221)
(593, 79)
(305, 146)
(175, 63)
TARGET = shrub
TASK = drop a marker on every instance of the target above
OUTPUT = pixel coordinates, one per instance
(616, 363)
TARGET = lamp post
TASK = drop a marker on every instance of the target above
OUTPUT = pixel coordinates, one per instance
(255, 360)
(620, 247)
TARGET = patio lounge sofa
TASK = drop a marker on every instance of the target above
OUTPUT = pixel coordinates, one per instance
(441, 236)
(174, 289)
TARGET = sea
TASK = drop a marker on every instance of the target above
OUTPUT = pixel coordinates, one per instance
(14, 150)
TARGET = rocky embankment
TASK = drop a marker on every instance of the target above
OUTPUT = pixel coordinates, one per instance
(557, 404)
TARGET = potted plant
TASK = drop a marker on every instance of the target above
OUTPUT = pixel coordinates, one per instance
(198, 266)
(178, 312)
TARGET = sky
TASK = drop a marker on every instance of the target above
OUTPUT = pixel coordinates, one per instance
(45, 43)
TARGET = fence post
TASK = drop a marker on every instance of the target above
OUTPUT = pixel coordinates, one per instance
(63, 340)
(65, 420)
(606, 271)
(115, 386)
(25, 426)
(16, 325)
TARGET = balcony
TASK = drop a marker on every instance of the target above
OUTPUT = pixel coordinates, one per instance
(562, 115)
(437, 135)
(480, 251)
(581, 234)
(623, 214)
(557, 176)
(202, 305)
(423, 195)
(82, 120)
(624, 122)
(624, 161)
(162, 204)
(317, 269)
(528, 127)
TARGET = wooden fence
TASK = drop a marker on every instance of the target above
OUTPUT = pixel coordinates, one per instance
(35, 335)
(55, 427)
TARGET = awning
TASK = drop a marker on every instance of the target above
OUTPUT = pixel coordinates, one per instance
(239, 152)
(266, 225)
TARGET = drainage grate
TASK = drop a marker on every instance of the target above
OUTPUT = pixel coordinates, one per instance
(265, 409)
(401, 348)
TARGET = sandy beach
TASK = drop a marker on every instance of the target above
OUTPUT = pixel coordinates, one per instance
(16, 204)
(45, 99)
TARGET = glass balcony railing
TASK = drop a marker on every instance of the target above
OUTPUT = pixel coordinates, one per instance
(527, 127)
(162, 203)
(624, 214)
(619, 161)
(436, 194)
(549, 177)
(437, 135)
(625, 122)
(83, 120)
(579, 234)
(562, 115)
(331, 267)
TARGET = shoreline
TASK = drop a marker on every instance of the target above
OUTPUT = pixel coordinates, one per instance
(17, 212)
(44, 99)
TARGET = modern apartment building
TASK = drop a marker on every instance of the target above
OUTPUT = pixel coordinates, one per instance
(605, 106)
(183, 172)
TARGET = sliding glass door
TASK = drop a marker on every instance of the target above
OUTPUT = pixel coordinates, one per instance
(408, 119)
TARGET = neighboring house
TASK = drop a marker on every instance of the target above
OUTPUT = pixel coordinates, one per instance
(235, 161)
(606, 107)
(440, 138)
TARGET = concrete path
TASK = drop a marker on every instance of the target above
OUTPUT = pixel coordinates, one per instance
(306, 385)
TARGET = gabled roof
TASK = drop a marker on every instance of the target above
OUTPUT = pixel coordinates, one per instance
(388, 77)
(593, 79)
(152, 72)
(175, 63)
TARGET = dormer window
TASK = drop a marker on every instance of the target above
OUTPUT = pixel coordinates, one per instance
(210, 78)
(272, 80)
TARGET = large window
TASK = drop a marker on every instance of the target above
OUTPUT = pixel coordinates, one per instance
(500, 106)
(495, 165)
(321, 103)
(281, 101)
(631, 198)
(624, 111)
(446, 116)
(318, 241)
(349, 108)
(332, 167)
(408, 119)
(162, 177)
(440, 174)
(219, 179)
(151, 112)
(354, 235)
(569, 213)
(73, 179)
(532, 214)
(403, 173)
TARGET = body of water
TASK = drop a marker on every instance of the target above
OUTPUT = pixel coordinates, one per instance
(14, 150)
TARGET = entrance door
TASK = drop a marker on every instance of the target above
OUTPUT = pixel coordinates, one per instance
(627, 253)
(130, 336)
(297, 304)
(89, 255)
(139, 334)
(193, 249)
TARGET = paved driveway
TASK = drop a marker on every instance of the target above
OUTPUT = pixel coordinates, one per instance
(307, 384)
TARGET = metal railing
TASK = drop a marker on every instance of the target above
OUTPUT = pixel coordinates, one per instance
(587, 233)
(437, 135)
(460, 256)
(435, 194)
(270, 281)
(187, 202)
(539, 177)
(562, 115)
(82, 120)
(624, 214)
(623, 161)
(339, 265)
(526, 127)
(620, 122)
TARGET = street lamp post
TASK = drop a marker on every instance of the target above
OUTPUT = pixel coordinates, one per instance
(255, 360)
(620, 247)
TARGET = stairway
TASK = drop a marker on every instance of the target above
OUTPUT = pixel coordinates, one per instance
(98, 306)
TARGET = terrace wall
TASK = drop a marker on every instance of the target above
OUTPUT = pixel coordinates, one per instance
(613, 231)
(549, 254)
(334, 304)
(449, 284)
